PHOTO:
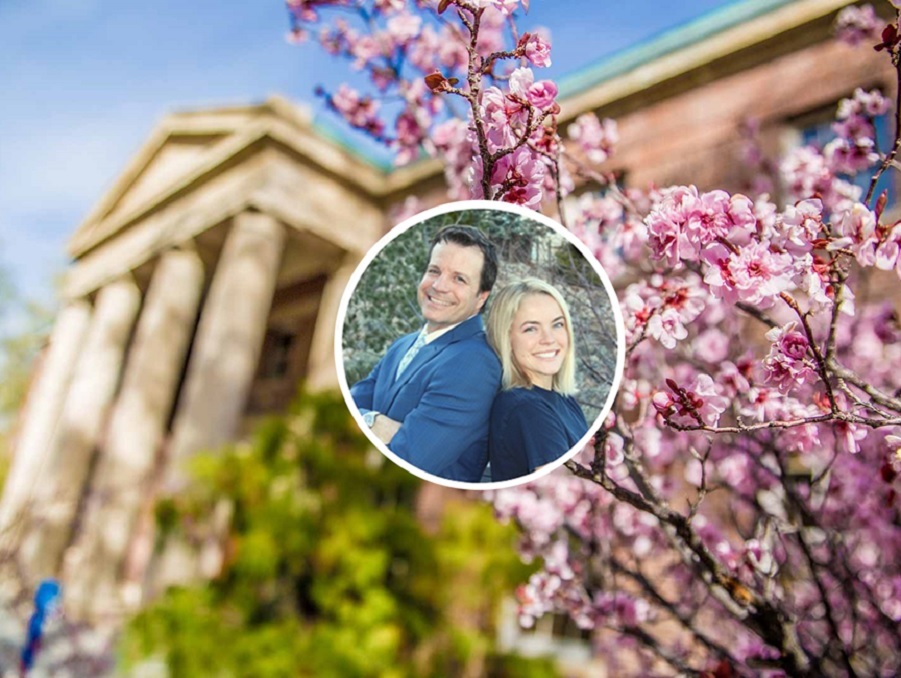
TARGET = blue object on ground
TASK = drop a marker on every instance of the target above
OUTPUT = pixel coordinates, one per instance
(46, 599)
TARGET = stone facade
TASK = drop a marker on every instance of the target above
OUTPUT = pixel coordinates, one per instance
(205, 284)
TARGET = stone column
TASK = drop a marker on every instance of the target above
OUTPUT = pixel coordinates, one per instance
(40, 418)
(94, 384)
(223, 361)
(123, 477)
(229, 339)
(321, 372)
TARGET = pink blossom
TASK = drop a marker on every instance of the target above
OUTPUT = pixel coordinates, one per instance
(684, 295)
(596, 139)
(302, 11)
(857, 127)
(404, 27)
(538, 51)
(666, 235)
(538, 514)
(731, 378)
(762, 403)
(633, 392)
(754, 274)
(297, 35)
(862, 103)
(699, 402)
(713, 404)
(365, 48)
(542, 94)
(505, 7)
(624, 609)
(806, 173)
(636, 308)
(734, 470)
(873, 103)
(359, 111)
(422, 51)
(519, 176)
(613, 450)
(713, 345)
(854, 25)
(451, 52)
(499, 115)
(520, 81)
(389, 6)
(758, 274)
(593, 217)
(786, 364)
(456, 143)
(802, 439)
(851, 157)
(331, 41)
(409, 134)
(799, 225)
(888, 252)
(813, 278)
(848, 436)
(716, 215)
(789, 342)
(857, 226)
(432, 51)
(684, 222)
(663, 308)
(667, 328)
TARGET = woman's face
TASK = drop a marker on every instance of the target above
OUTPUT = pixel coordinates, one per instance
(539, 339)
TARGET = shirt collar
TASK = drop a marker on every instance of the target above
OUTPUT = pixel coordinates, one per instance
(431, 336)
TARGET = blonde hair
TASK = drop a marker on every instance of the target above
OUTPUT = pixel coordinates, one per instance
(504, 306)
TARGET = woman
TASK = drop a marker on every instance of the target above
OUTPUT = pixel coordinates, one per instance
(534, 419)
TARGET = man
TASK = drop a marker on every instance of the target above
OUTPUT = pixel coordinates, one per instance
(430, 397)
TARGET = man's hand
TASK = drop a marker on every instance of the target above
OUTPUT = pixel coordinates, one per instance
(384, 428)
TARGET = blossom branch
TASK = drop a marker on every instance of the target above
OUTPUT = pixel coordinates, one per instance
(671, 607)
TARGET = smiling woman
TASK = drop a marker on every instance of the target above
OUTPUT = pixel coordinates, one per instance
(535, 419)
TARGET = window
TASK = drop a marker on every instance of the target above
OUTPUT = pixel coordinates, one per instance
(276, 354)
(815, 129)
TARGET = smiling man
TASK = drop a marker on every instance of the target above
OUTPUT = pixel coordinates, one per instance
(430, 397)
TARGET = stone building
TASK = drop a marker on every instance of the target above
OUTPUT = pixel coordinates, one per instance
(205, 284)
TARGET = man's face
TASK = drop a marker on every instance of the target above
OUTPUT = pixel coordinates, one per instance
(449, 290)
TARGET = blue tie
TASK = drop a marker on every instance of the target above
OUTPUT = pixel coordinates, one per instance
(410, 354)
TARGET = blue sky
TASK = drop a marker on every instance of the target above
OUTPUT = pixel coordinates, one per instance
(85, 81)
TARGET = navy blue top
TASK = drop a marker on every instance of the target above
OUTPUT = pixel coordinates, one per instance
(531, 427)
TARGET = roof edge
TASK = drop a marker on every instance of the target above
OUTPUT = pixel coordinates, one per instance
(666, 42)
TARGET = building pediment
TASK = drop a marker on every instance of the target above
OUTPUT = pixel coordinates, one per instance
(189, 150)
(199, 171)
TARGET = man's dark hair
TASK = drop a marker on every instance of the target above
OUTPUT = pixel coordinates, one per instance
(469, 236)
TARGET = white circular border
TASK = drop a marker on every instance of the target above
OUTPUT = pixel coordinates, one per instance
(459, 206)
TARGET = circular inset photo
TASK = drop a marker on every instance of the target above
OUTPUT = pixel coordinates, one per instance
(479, 345)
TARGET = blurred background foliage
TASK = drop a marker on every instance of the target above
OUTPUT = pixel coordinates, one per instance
(24, 326)
(384, 307)
(329, 570)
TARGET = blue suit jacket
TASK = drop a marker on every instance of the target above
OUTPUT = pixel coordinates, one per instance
(443, 400)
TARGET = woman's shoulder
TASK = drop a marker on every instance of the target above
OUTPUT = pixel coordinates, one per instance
(522, 402)
(517, 395)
